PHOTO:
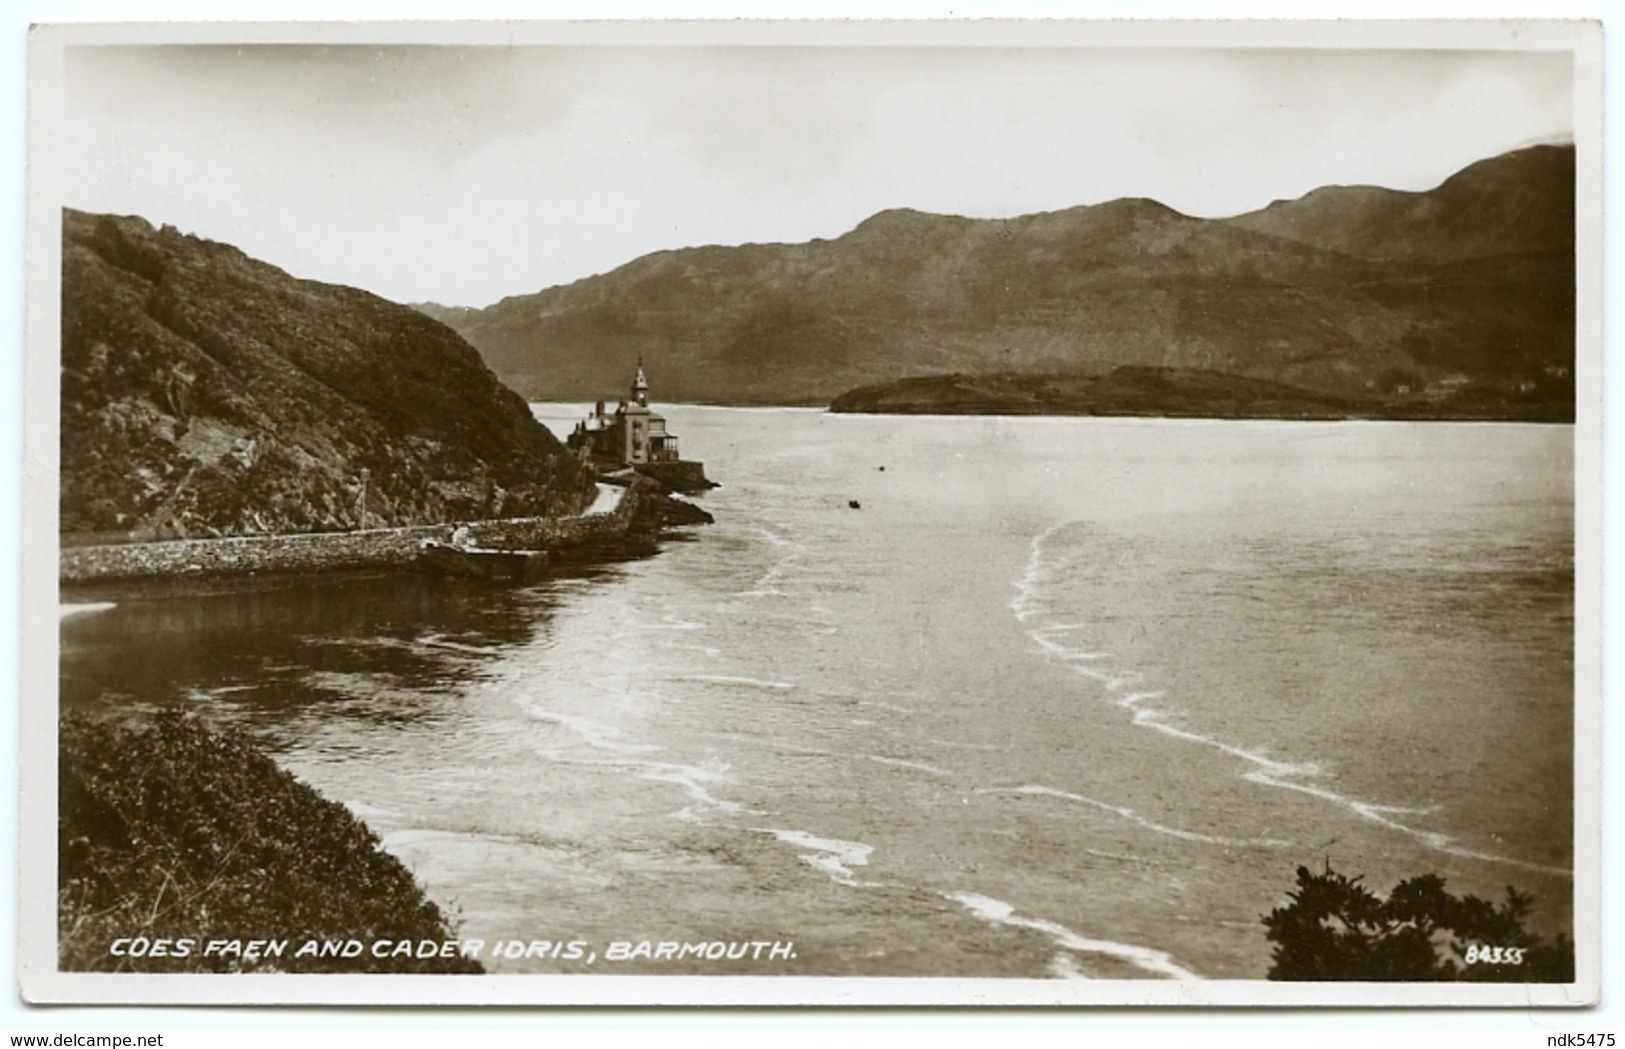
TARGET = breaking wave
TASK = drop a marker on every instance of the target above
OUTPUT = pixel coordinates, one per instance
(1034, 789)
(1032, 609)
(1146, 959)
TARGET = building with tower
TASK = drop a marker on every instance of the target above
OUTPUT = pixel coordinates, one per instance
(634, 435)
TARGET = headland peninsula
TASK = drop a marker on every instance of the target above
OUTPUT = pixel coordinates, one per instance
(224, 424)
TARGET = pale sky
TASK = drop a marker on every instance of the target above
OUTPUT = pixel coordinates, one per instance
(463, 174)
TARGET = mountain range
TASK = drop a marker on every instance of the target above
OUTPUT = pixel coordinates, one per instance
(1453, 302)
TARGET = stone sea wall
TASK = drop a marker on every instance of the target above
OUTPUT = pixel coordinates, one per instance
(381, 547)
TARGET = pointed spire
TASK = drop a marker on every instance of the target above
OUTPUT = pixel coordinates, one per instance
(640, 385)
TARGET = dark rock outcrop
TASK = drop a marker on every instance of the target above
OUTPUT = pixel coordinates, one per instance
(206, 393)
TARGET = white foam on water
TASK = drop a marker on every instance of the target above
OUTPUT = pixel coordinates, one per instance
(1267, 771)
(1146, 959)
(775, 538)
(1134, 817)
(1153, 719)
(215, 691)
(1380, 814)
(743, 682)
(593, 733)
(1064, 966)
(918, 766)
(765, 584)
(67, 610)
(436, 641)
(692, 779)
(1024, 604)
(371, 812)
(1045, 638)
(673, 622)
(1287, 776)
(834, 857)
(457, 647)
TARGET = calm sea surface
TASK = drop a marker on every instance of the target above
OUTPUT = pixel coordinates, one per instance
(1064, 697)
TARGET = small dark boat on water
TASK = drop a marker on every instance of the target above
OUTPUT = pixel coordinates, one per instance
(474, 562)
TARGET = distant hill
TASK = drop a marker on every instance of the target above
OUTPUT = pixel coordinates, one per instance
(1175, 393)
(1127, 390)
(207, 393)
(1520, 203)
(1463, 290)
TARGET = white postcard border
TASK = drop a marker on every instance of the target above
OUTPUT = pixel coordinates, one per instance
(42, 983)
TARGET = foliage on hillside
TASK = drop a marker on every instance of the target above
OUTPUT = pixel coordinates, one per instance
(1337, 929)
(206, 393)
(174, 831)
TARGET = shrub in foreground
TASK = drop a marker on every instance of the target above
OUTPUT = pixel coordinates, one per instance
(174, 831)
(1336, 929)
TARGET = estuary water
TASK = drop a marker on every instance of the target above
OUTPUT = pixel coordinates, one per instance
(946, 696)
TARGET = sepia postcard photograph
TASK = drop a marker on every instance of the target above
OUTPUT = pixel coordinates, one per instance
(808, 513)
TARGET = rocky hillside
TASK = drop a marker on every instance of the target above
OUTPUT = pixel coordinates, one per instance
(1518, 204)
(1346, 292)
(206, 393)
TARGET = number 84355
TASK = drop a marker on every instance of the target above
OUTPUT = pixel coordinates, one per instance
(1477, 955)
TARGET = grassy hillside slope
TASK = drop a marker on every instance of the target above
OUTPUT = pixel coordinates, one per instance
(207, 393)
